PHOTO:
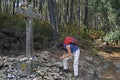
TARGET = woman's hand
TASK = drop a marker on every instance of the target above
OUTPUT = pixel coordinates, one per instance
(63, 56)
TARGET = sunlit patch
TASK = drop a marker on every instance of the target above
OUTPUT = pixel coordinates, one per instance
(104, 54)
(107, 76)
(115, 54)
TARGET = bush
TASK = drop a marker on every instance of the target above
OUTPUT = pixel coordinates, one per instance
(87, 45)
(13, 33)
(94, 34)
(113, 36)
(42, 34)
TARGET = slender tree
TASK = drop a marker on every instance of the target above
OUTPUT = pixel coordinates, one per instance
(40, 6)
(53, 17)
(78, 12)
(86, 13)
(0, 6)
(35, 3)
(67, 10)
(14, 6)
(71, 11)
(17, 3)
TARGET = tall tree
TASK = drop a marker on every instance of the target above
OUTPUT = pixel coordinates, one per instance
(14, 6)
(0, 6)
(71, 11)
(40, 6)
(86, 13)
(35, 3)
(53, 17)
(78, 12)
(17, 3)
(6, 6)
(67, 10)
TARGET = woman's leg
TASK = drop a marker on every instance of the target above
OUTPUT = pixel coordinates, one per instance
(76, 60)
(65, 65)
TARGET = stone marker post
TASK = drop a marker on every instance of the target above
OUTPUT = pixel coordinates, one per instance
(24, 67)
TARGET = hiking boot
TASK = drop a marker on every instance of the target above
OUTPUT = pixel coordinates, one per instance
(66, 70)
(61, 68)
(75, 77)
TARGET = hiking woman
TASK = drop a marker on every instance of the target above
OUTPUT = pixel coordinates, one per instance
(71, 50)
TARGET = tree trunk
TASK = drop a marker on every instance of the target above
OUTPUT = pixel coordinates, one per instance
(17, 3)
(107, 43)
(95, 22)
(40, 6)
(117, 42)
(29, 37)
(13, 7)
(67, 10)
(71, 12)
(53, 18)
(86, 14)
(29, 1)
(0, 6)
(6, 6)
(60, 11)
(34, 3)
(78, 12)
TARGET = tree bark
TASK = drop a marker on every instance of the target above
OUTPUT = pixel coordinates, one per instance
(67, 10)
(34, 3)
(17, 3)
(13, 7)
(40, 6)
(78, 12)
(71, 12)
(6, 6)
(86, 13)
(53, 18)
(86, 16)
(0, 6)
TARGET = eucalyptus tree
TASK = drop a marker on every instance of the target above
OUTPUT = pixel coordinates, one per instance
(114, 12)
(101, 14)
(3, 5)
(35, 3)
(86, 13)
(45, 11)
(13, 12)
(71, 11)
(53, 18)
(40, 6)
(7, 3)
(66, 10)
(107, 11)
(78, 12)
(61, 11)
(17, 4)
(0, 6)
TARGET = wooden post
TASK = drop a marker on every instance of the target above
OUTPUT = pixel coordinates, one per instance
(29, 37)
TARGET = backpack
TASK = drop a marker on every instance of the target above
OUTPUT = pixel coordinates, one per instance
(70, 40)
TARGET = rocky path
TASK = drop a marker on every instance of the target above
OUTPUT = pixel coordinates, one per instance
(112, 69)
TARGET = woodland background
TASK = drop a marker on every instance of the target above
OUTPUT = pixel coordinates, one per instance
(86, 20)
